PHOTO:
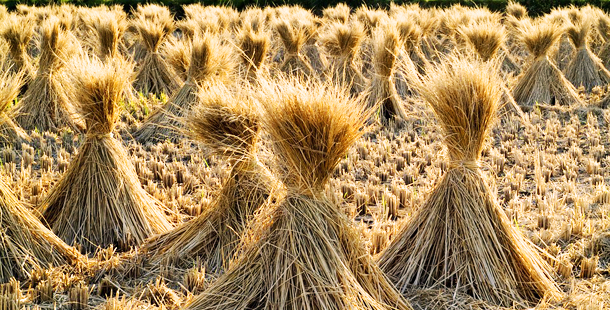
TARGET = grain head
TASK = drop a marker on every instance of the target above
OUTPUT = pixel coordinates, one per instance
(464, 96)
(516, 10)
(339, 13)
(386, 49)
(410, 33)
(54, 45)
(153, 32)
(254, 18)
(109, 27)
(153, 12)
(293, 35)
(603, 26)
(99, 91)
(343, 40)
(225, 123)
(254, 47)
(485, 38)
(312, 127)
(539, 37)
(18, 32)
(578, 33)
(371, 18)
(210, 59)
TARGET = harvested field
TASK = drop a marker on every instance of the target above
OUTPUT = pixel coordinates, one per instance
(271, 158)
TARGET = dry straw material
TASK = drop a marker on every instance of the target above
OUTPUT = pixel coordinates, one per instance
(542, 82)
(45, 105)
(411, 62)
(294, 34)
(18, 32)
(228, 127)
(382, 93)
(25, 244)
(461, 239)
(484, 38)
(339, 13)
(178, 54)
(585, 69)
(253, 46)
(410, 35)
(516, 10)
(210, 62)
(154, 75)
(99, 200)
(109, 28)
(603, 28)
(302, 252)
(342, 42)
(11, 135)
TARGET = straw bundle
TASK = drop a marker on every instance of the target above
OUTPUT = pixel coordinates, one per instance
(10, 133)
(461, 238)
(25, 244)
(603, 27)
(342, 42)
(178, 55)
(382, 90)
(411, 61)
(227, 127)
(154, 75)
(485, 39)
(153, 12)
(311, 51)
(410, 35)
(371, 19)
(293, 35)
(188, 28)
(18, 32)
(584, 69)
(99, 200)
(339, 13)
(542, 81)
(209, 62)
(109, 28)
(302, 252)
(516, 10)
(254, 47)
(563, 51)
(212, 19)
(45, 105)
(254, 18)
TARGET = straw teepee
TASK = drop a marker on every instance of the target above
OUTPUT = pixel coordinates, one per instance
(253, 46)
(18, 32)
(293, 35)
(11, 135)
(584, 69)
(342, 42)
(382, 93)
(228, 128)
(461, 239)
(541, 82)
(46, 105)
(99, 200)
(153, 74)
(210, 62)
(302, 252)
